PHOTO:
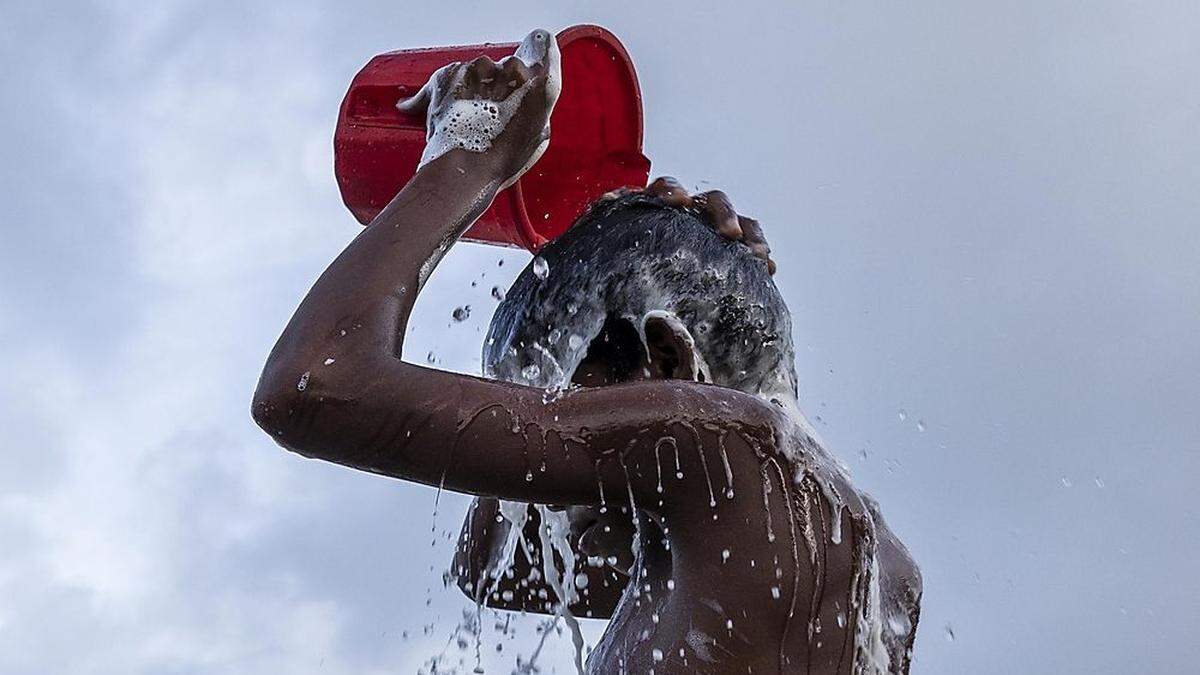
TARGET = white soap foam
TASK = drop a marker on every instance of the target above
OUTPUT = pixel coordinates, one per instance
(474, 124)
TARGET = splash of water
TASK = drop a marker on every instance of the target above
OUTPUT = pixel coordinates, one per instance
(820, 480)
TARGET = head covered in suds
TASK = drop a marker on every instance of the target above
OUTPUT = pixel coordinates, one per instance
(632, 257)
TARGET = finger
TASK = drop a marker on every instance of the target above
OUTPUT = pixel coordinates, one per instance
(539, 51)
(489, 79)
(480, 71)
(420, 102)
(513, 74)
(616, 194)
(514, 71)
(670, 191)
(752, 236)
(417, 103)
(539, 46)
(717, 208)
(752, 233)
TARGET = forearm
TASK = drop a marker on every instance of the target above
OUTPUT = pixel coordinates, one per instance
(362, 302)
(319, 393)
(335, 388)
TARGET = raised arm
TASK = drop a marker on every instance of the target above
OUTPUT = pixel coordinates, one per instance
(334, 386)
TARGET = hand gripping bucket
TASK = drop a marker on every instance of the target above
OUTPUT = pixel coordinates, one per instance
(595, 137)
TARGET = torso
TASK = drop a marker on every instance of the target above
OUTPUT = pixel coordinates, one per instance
(761, 578)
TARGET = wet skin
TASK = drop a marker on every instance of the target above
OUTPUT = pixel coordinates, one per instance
(335, 388)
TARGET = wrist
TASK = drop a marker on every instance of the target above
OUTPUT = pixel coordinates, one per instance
(454, 188)
(459, 165)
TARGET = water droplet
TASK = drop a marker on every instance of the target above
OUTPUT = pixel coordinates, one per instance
(1099, 481)
(949, 633)
(1066, 481)
(901, 414)
(724, 555)
(841, 620)
(303, 383)
(656, 654)
(329, 362)
(775, 592)
(528, 476)
(530, 372)
(574, 342)
(497, 292)
(541, 268)
(920, 425)
(461, 313)
(670, 584)
(430, 357)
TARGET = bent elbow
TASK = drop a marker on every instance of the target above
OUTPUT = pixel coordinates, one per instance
(273, 402)
(311, 409)
(286, 400)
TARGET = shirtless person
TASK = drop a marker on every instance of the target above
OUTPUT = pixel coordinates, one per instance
(754, 554)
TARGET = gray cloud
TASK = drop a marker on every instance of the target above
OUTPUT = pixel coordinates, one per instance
(985, 217)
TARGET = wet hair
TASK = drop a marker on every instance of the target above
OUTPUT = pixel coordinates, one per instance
(588, 292)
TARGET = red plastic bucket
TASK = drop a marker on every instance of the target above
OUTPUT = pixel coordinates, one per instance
(595, 141)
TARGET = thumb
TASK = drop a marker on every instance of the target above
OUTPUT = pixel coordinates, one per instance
(540, 48)
(417, 103)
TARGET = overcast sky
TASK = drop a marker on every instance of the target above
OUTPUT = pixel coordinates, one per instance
(987, 222)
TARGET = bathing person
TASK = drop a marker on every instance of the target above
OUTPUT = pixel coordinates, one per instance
(640, 380)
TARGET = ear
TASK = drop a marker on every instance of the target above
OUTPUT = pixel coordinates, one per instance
(670, 347)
